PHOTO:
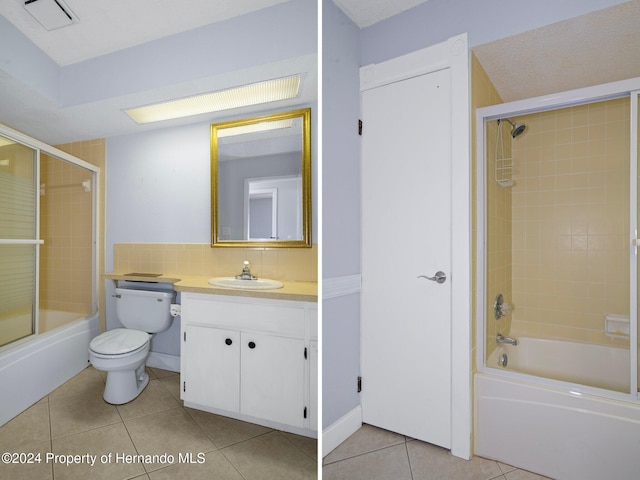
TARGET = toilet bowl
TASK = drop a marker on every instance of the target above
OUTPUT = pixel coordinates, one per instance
(122, 352)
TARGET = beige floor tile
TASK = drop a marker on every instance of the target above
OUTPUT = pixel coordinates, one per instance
(110, 440)
(160, 373)
(270, 456)
(432, 462)
(172, 384)
(31, 426)
(383, 464)
(169, 432)
(87, 379)
(366, 439)
(36, 467)
(225, 431)
(306, 444)
(154, 398)
(506, 468)
(215, 466)
(524, 475)
(78, 405)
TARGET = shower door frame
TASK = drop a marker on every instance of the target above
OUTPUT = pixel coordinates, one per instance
(630, 89)
(41, 147)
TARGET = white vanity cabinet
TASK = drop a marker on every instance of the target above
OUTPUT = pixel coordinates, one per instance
(252, 359)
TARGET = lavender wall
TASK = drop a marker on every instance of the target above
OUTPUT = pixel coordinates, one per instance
(159, 190)
(340, 211)
(277, 33)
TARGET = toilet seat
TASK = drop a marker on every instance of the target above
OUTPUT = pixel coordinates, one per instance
(119, 341)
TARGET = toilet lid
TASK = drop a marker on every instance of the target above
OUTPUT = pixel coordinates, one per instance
(118, 341)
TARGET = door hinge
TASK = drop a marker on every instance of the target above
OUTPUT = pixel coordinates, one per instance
(184, 336)
(184, 386)
(359, 384)
(359, 127)
(305, 412)
(305, 353)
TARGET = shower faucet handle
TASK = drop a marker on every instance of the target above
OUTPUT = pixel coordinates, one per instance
(500, 307)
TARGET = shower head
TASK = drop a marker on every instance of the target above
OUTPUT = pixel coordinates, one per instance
(516, 128)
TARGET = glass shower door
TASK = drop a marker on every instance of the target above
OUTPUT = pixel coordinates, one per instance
(18, 240)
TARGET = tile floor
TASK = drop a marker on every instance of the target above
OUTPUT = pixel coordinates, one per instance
(75, 420)
(375, 454)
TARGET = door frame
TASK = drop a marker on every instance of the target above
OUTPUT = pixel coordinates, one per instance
(454, 55)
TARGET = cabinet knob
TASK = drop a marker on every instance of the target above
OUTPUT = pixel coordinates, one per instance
(228, 341)
(252, 344)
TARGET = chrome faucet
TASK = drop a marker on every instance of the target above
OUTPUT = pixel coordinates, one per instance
(502, 339)
(246, 272)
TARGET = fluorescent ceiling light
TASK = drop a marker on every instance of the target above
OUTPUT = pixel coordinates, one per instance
(254, 94)
(255, 127)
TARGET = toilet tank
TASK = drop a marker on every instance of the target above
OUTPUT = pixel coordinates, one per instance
(145, 310)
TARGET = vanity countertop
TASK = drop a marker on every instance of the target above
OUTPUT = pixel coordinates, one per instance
(296, 291)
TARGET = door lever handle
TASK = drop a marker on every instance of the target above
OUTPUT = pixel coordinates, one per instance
(440, 277)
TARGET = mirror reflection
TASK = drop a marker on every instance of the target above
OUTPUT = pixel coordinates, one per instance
(261, 181)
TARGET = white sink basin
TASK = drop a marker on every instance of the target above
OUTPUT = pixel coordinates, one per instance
(232, 282)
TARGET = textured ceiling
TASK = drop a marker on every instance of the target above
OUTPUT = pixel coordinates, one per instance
(587, 50)
(367, 12)
(107, 26)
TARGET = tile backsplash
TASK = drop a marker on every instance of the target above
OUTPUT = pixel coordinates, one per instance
(199, 259)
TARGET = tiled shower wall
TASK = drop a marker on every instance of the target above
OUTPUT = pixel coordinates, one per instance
(570, 221)
(66, 227)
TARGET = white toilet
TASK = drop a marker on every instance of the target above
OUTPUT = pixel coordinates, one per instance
(122, 352)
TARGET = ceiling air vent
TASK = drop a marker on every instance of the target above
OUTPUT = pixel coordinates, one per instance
(51, 14)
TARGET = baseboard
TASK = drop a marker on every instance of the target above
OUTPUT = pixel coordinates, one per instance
(340, 430)
(164, 361)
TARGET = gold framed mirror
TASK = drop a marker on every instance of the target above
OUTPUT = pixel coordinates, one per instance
(261, 181)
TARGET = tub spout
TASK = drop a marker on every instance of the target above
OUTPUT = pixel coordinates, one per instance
(502, 339)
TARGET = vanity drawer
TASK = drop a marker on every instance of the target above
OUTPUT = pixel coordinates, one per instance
(259, 315)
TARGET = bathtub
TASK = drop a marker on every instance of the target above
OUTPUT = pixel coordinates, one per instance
(551, 426)
(35, 366)
(582, 363)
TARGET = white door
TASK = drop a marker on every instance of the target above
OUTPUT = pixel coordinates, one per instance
(406, 234)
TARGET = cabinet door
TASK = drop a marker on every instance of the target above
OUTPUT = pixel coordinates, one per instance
(212, 367)
(272, 378)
